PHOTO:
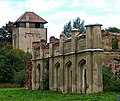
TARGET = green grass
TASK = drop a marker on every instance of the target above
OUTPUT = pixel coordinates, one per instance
(21, 94)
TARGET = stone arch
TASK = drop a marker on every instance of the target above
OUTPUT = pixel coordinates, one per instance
(57, 76)
(82, 77)
(38, 76)
(68, 77)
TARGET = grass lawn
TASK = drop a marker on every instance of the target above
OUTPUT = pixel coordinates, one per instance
(21, 94)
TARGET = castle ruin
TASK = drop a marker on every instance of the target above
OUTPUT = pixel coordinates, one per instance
(75, 64)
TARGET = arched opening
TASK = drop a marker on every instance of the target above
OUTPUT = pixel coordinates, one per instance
(82, 76)
(68, 77)
(38, 75)
(57, 76)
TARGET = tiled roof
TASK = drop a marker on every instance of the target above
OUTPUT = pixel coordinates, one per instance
(30, 17)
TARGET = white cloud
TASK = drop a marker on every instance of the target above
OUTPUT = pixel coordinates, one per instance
(89, 3)
(75, 3)
(10, 11)
(95, 4)
(116, 7)
(45, 5)
(58, 13)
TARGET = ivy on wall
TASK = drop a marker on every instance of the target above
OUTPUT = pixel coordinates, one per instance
(114, 43)
(46, 74)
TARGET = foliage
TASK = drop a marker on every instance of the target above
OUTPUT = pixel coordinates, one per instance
(19, 77)
(113, 29)
(115, 43)
(20, 94)
(46, 75)
(6, 33)
(6, 72)
(109, 80)
(77, 23)
(12, 65)
(67, 29)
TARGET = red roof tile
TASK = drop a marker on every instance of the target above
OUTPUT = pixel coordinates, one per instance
(30, 17)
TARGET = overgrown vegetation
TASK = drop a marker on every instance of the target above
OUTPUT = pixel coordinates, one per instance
(12, 65)
(38, 95)
(46, 75)
(114, 43)
(110, 82)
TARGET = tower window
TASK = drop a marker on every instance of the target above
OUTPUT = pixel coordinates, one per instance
(37, 25)
(23, 25)
(32, 25)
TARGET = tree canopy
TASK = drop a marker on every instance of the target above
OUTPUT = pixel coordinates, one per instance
(6, 33)
(77, 23)
(12, 64)
(113, 29)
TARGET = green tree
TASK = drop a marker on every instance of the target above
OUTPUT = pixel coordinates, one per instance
(113, 29)
(67, 29)
(13, 65)
(77, 23)
(109, 80)
(6, 72)
(6, 33)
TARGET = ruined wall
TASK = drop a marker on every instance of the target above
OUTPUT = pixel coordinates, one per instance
(81, 52)
(75, 63)
(80, 45)
(56, 51)
(107, 38)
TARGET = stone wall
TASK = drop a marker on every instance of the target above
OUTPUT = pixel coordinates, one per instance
(107, 40)
(75, 63)
(81, 52)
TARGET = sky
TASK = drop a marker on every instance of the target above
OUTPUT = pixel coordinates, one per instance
(60, 12)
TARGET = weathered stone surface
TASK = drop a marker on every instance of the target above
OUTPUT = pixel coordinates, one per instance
(74, 74)
(75, 64)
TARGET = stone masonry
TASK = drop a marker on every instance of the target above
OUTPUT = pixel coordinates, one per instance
(75, 64)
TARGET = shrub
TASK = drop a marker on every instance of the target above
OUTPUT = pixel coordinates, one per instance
(13, 65)
(109, 80)
(19, 77)
(114, 43)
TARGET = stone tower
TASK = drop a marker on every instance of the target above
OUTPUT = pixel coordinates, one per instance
(28, 28)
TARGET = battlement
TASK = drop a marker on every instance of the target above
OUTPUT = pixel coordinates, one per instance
(64, 46)
(74, 44)
(58, 47)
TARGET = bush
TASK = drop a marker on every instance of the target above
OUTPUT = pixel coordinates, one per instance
(19, 77)
(13, 65)
(109, 80)
(114, 43)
